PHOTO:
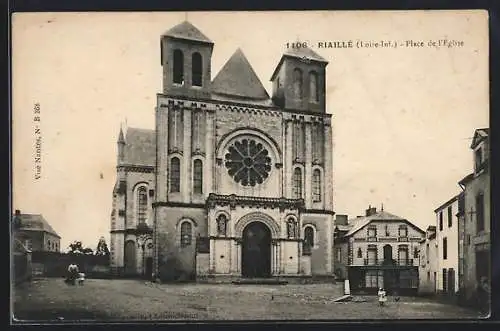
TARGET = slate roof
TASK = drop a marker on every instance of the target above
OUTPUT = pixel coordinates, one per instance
(36, 222)
(140, 147)
(361, 222)
(304, 53)
(237, 78)
(188, 31)
(447, 203)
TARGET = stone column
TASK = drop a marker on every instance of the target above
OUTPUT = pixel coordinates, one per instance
(328, 171)
(330, 248)
(288, 158)
(211, 263)
(208, 175)
(308, 166)
(186, 175)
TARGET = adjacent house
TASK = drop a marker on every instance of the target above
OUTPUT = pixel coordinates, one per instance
(427, 272)
(382, 251)
(35, 233)
(447, 241)
(476, 220)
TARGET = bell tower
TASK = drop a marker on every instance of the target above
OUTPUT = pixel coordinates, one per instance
(186, 55)
(299, 80)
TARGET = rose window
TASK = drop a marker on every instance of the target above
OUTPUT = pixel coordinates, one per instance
(248, 162)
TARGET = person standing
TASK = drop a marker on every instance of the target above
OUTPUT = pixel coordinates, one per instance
(382, 296)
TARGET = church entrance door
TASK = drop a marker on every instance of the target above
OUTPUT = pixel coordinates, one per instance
(256, 251)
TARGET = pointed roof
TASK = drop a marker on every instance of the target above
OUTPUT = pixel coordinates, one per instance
(479, 135)
(36, 222)
(303, 53)
(237, 78)
(121, 139)
(361, 222)
(140, 147)
(188, 31)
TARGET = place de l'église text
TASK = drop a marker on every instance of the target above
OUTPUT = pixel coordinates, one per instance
(410, 43)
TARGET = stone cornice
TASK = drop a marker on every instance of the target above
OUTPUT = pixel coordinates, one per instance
(255, 202)
(210, 105)
(136, 168)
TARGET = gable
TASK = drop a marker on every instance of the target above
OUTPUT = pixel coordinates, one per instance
(237, 78)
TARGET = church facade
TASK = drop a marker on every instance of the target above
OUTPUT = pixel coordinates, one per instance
(242, 182)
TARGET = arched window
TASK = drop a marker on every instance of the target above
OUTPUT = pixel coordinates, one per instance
(297, 183)
(142, 204)
(308, 243)
(178, 67)
(198, 177)
(197, 69)
(313, 87)
(48, 244)
(316, 185)
(186, 234)
(175, 175)
(297, 83)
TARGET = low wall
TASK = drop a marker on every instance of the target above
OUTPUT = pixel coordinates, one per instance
(54, 264)
(22, 267)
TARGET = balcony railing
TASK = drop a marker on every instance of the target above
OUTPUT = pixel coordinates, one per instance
(400, 262)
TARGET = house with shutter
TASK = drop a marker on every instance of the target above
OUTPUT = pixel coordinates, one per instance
(382, 251)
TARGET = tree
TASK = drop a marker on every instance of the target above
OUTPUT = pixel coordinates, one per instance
(76, 247)
(102, 248)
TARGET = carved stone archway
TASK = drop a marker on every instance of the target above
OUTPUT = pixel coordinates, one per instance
(257, 217)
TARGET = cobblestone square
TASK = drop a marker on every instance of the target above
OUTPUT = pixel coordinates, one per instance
(127, 300)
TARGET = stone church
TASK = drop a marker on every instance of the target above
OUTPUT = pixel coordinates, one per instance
(232, 183)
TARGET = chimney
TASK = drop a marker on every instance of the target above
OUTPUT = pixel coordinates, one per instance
(341, 219)
(359, 216)
(371, 210)
(18, 212)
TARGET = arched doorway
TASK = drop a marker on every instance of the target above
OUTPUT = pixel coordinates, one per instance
(256, 251)
(130, 258)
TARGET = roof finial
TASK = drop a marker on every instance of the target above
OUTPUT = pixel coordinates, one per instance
(382, 207)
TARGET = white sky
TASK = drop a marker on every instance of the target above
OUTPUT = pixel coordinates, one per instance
(402, 118)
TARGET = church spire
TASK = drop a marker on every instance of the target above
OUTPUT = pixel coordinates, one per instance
(121, 146)
(121, 138)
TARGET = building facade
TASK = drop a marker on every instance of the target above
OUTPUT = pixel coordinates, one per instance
(382, 251)
(35, 233)
(428, 268)
(477, 221)
(240, 184)
(131, 245)
(447, 240)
